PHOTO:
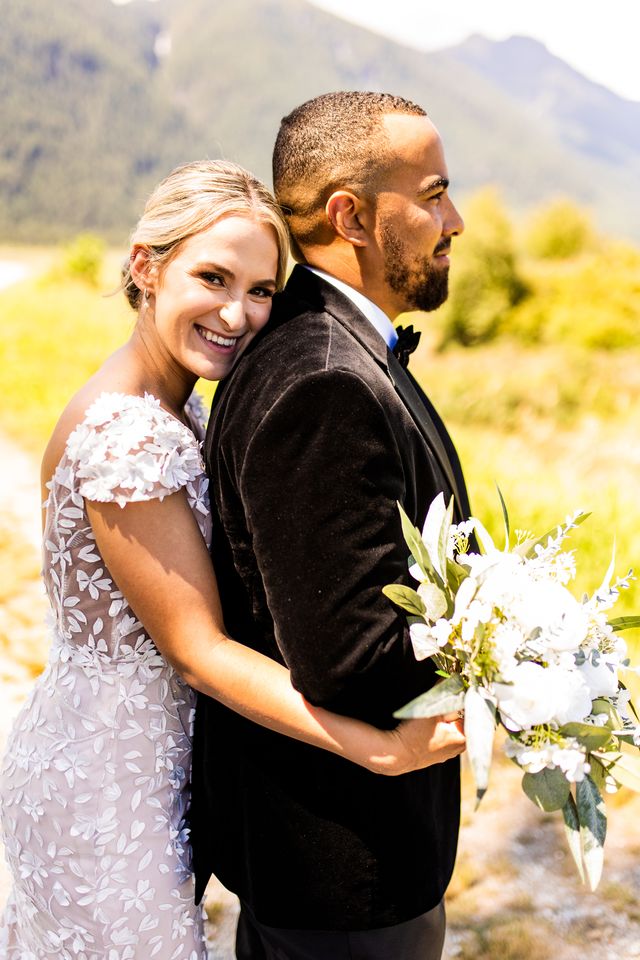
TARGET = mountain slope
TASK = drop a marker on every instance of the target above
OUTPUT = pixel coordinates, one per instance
(92, 114)
(84, 118)
(584, 115)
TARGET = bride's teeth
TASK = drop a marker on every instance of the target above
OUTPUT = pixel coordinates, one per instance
(214, 338)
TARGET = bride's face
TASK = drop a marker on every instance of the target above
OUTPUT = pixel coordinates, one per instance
(215, 294)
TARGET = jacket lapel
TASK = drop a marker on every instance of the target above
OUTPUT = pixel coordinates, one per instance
(320, 295)
(409, 396)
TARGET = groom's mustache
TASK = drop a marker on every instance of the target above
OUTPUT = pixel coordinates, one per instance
(443, 247)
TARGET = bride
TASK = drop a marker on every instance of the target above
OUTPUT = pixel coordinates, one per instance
(95, 780)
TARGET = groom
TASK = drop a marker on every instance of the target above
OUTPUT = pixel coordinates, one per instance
(313, 441)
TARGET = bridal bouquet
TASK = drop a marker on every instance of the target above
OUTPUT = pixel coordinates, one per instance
(514, 647)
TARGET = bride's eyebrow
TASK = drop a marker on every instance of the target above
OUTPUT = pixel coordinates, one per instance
(210, 267)
(214, 268)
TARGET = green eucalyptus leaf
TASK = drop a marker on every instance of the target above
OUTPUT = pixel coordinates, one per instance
(479, 728)
(505, 517)
(624, 766)
(585, 733)
(603, 706)
(406, 598)
(572, 829)
(542, 541)
(593, 828)
(445, 697)
(624, 623)
(443, 538)
(548, 789)
(598, 773)
(456, 573)
(414, 541)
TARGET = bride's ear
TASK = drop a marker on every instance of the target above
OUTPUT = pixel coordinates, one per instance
(141, 268)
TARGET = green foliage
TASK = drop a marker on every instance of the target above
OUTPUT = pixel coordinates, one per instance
(589, 300)
(559, 230)
(83, 258)
(592, 300)
(486, 282)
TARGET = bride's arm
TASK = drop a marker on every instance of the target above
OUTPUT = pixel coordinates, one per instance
(158, 559)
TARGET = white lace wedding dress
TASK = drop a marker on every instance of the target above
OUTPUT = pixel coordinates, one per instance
(95, 781)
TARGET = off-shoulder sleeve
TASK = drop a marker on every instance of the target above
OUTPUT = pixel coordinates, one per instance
(130, 449)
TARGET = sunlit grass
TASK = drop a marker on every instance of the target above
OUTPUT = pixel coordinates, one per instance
(553, 427)
(55, 334)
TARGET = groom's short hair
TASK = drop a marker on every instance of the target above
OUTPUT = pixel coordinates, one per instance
(335, 141)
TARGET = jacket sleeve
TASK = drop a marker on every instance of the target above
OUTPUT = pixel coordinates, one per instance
(320, 483)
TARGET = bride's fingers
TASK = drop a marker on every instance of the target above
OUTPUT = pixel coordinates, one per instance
(456, 717)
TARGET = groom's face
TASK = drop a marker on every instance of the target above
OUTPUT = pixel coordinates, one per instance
(415, 217)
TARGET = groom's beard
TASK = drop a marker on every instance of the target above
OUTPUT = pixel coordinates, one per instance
(422, 284)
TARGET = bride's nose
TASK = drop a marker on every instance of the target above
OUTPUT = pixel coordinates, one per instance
(232, 313)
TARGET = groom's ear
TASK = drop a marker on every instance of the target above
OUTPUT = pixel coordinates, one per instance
(346, 214)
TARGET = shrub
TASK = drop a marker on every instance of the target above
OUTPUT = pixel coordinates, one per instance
(559, 230)
(485, 279)
(83, 258)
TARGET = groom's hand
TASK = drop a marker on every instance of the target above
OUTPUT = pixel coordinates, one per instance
(421, 743)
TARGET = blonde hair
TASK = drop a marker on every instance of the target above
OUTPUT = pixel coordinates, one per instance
(192, 198)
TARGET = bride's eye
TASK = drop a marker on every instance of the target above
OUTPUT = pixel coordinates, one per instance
(264, 293)
(213, 278)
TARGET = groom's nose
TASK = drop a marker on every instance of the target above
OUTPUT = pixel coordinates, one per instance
(232, 313)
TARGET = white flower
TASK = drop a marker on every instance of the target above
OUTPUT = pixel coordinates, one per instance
(569, 757)
(136, 898)
(572, 760)
(431, 531)
(536, 695)
(423, 641)
(601, 677)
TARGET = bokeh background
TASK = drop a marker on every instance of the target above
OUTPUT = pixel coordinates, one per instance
(533, 361)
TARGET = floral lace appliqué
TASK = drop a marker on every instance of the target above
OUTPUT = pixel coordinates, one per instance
(94, 783)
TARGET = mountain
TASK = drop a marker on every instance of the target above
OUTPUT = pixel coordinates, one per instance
(97, 101)
(583, 115)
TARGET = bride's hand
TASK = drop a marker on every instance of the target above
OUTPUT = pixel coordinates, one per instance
(415, 744)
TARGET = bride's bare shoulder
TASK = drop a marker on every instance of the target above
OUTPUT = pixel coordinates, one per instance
(74, 413)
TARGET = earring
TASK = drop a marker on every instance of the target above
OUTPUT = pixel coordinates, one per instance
(146, 298)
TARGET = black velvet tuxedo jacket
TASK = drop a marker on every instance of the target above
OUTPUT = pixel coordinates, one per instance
(313, 440)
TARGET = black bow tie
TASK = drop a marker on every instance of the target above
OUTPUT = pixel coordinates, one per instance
(407, 342)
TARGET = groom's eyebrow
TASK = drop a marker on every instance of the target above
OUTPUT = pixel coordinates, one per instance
(436, 183)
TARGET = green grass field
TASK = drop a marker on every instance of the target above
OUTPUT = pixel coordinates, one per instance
(554, 426)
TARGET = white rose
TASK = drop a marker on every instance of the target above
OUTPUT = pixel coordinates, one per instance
(536, 695)
(549, 606)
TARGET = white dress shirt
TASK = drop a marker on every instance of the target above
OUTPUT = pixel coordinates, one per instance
(372, 312)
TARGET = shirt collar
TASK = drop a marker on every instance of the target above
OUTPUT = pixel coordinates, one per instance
(372, 311)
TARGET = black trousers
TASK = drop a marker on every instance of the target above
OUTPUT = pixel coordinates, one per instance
(418, 939)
